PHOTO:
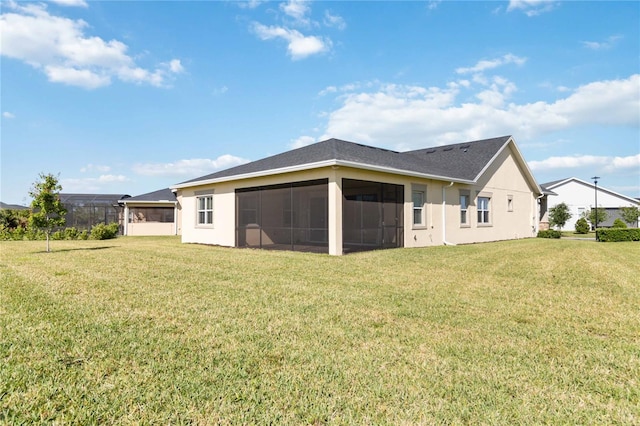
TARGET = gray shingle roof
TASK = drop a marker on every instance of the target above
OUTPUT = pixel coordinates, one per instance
(156, 196)
(548, 185)
(462, 161)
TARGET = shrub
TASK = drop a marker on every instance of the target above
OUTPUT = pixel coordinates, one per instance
(550, 233)
(618, 234)
(582, 226)
(619, 224)
(33, 234)
(58, 235)
(71, 233)
(84, 235)
(104, 232)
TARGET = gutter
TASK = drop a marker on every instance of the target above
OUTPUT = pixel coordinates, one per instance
(444, 215)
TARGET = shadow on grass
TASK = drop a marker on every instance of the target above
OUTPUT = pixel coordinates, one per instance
(74, 249)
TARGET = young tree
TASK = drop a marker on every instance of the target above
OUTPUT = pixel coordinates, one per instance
(47, 211)
(559, 215)
(602, 216)
(630, 215)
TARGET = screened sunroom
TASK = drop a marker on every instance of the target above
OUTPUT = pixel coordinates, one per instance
(294, 216)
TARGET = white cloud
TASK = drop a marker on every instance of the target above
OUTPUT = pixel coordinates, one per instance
(250, 4)
(190, 167)
(8, 115)
(175, 66)
(60, 48)
(112, 178)
(602, 45)
(408, 116)
(335, 21)
(298, 10)
(494, 63)
(579, 161)
(95, 167)
(299, 46)
(220, 91)
(532, 7)
(302, 141)
(92, 184)
(76, 3)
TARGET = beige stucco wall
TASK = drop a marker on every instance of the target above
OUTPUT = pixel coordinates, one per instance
(150, 228)
(222, 232)
(504, 179)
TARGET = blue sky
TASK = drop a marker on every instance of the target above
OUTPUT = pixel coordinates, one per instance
(131, 97)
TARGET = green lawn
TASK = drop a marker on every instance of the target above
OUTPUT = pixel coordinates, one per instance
(150, 331)
(574, 234)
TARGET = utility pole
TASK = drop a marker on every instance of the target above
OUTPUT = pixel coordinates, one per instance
(595, 181)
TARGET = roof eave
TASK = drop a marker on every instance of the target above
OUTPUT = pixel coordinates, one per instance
(317, 165)
(146, 202)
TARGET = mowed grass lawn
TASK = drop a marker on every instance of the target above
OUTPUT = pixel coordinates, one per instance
(151, 331)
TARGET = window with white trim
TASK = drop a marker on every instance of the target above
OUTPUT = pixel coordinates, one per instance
(205, 210)
(464, 206)
(419, 196)
(509, 203)
(484, 213)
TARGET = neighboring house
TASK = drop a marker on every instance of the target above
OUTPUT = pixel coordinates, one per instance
(337, 197)
(154, 213)
(580, 195)
(5, 206)
(86, 210)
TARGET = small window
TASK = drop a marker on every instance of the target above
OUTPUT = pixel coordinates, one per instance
(464, 206)
(484, 216)
(418, 198)
(509, 203)
(205, 210)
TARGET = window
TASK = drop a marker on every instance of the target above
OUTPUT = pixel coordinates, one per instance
(464, 205)
(509, 203)
(151, 214)
(418, 198)
(205, 210)
(483, 210)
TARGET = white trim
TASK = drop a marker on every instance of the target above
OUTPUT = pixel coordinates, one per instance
(317, 165)
(519, 159)
(591, 185)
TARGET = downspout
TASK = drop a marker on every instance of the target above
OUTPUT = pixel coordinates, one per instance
(444, 216)
(536, 227)
(126, 219)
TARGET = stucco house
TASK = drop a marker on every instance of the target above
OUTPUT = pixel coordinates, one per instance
(337, 197)
(153, 213)
(579, 196)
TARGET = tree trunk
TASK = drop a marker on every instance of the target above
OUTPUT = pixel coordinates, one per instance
(48, 242)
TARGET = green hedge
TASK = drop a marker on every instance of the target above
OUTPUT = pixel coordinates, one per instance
(549, 233)
(618, 234)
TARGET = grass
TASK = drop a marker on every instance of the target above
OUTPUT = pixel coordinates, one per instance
(574, 234)
(150, 331)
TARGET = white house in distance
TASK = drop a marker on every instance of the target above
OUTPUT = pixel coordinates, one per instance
(153, 213)
(338, 197)
(580, 195)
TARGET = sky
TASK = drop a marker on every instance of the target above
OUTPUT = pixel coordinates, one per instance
(128, 97)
